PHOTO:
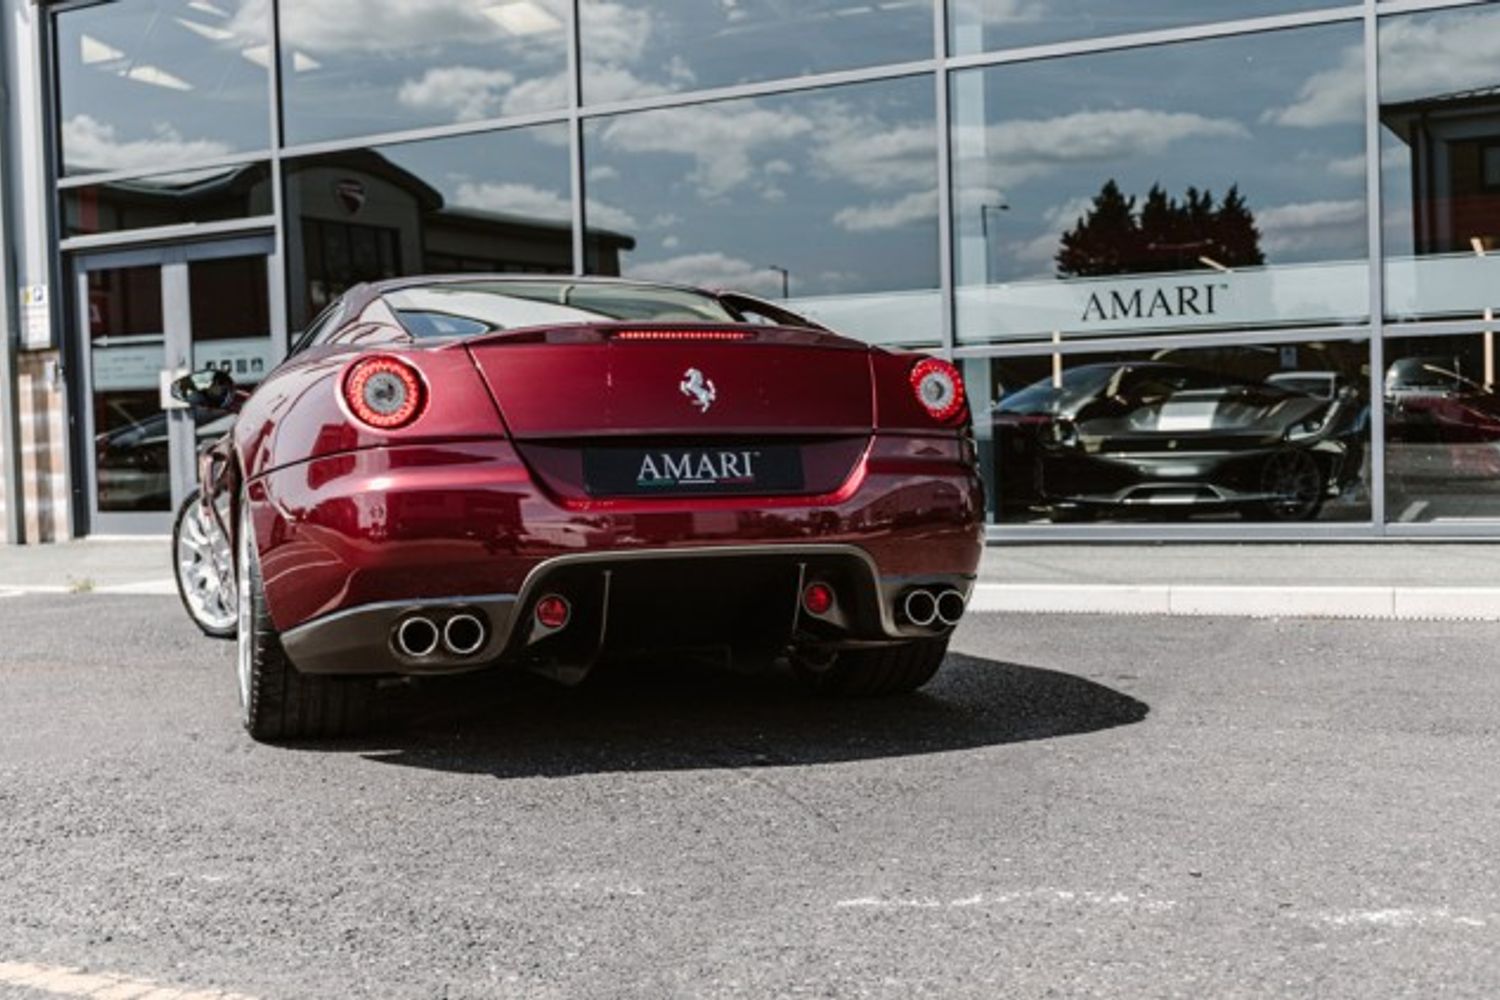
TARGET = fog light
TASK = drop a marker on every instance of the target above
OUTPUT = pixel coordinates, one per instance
(553, 612)
(818, 599)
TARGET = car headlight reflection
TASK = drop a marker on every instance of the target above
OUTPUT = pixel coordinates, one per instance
(1311, 427)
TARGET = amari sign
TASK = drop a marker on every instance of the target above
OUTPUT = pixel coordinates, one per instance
(1171, 302)
(1093, 307)
(1435, 286)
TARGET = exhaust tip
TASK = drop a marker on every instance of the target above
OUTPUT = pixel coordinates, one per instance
(920, 607)
(950, 607)
(463, 634)
(417, 636)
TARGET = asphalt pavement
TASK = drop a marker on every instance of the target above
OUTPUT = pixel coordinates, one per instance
(1078, 806)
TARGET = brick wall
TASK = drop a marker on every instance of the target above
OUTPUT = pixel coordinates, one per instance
(44, 455)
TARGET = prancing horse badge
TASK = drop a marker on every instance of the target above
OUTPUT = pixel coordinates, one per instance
(699, 389)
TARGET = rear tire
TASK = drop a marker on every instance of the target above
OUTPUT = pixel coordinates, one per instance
(874, 673)
(277, 701)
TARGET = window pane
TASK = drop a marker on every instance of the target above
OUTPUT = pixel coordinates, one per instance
(984, 25)
(636, 48)
(361, 67)
(1440, 153)
(1442, 429)
(1276, 433)
(168, 200)
(145, 83)
(828, 198)
(127, 352)
(492, 202)
(1201, 185)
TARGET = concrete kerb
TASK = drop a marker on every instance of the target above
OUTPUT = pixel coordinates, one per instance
(1412, 603)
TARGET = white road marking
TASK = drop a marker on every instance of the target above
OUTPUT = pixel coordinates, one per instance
(1400, 917)
(1108, 899)
(69, 982)
(153, 588)
(150, 588)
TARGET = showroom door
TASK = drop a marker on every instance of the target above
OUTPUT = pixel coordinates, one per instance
(145, 317)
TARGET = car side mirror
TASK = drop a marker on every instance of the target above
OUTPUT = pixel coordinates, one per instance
(210, 389)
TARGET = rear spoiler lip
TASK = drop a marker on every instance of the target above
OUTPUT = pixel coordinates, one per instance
(598, 333)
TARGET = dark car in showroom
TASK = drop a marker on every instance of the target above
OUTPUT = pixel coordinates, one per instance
(1112, 438)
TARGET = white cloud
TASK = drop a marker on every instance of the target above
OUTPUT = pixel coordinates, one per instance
(514, 199)
(1057, 219)
(604, 84)
(462, 93)
(1348, 166)
(94, 144)
(614, 33)
(386, 27)
(1419, 58)
(711, 270)
(919, 206)
(600, 214)
(1308, 224)
(604, 173)
(1010, 152)
(874, 154)
(670, 243)
(538, 203)
(541, 93)
(722, 139)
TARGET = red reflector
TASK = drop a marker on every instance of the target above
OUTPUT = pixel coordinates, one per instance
(682, 335)
(553, 611)
(818, 598)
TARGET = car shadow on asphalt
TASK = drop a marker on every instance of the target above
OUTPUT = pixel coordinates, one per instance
(683, 715)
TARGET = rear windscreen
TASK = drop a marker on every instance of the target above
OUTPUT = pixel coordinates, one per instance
(464, 309)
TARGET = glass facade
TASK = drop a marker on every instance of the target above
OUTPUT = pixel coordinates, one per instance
(1180, 249)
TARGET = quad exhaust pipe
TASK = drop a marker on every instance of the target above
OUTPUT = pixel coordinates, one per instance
(461, 635)
(924, 608)
(418, 636)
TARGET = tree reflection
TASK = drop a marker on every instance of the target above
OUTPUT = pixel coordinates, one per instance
(1164, 235)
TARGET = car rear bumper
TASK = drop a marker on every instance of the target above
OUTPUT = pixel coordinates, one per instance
(351, 545)
(745, 597)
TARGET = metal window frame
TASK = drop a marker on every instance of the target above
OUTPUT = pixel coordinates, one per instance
(941, 67)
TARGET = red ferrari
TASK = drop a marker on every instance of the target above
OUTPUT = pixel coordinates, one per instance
(450, 474)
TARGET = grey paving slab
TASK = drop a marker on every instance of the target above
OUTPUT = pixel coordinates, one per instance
(85, 565)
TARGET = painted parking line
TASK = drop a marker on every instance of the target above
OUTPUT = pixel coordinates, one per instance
(149, 588)
(1397, 603)
(64, 981)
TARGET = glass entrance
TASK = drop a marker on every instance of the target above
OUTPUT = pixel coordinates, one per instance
(146, 317)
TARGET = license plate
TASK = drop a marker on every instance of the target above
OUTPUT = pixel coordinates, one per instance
(637, 471)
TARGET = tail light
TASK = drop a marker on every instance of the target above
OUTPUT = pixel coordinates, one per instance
(939, 388)
(384, 392)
